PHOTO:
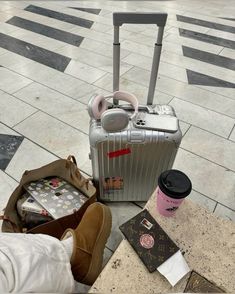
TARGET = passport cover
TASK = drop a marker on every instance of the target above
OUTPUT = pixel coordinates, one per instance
(149, 240)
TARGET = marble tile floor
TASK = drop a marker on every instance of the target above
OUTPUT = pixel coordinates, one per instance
(55, 54)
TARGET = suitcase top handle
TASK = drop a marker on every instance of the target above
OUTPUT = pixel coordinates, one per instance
(119, 18)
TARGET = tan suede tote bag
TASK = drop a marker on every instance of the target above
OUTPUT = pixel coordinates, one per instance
(64, 168)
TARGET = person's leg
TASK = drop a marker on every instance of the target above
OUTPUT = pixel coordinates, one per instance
(40, 263)
(34, 263)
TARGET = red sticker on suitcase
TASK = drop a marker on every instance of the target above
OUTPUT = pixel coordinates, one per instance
(119, 153)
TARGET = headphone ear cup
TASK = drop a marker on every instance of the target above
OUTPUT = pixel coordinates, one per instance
(89, 106)
(96, 106)
(114, 120)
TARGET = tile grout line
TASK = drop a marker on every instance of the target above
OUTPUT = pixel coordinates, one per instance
(40, 146)
(100, 54)
(211, 199)
(174, 42)
(210, 59)
(13, 21)
(95, 21)
(221, 51)
(195, 105)
(40, 110)
(229, 208)
(209, 24)
(203, 14)
(66, 30)
(137, 204)
(190, 125)
(215, 207)
(46, 54)
(199, 61)
(220, 113)
(181, 67)
(233, 128)
(44, 85)
(20, 88)
(200, 128)
(78, 14)
(226, 168)
(204, 195)
(214, 92)
(36, 111)
(55, 51)
(20, 134)
(4, 171)
(122, 74)
(206, 109)
(109, 249)
(37, 144)
(192, 34)
(168, 95)
(179, 82)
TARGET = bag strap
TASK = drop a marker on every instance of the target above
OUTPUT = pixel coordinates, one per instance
(84, 181)
(76, 173)
(6, 219)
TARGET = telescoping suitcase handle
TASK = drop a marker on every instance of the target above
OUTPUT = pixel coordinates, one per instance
(119, 18)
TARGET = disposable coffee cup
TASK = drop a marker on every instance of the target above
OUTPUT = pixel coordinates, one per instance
(173, 187)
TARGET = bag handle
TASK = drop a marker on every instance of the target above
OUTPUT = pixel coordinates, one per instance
(73, 159)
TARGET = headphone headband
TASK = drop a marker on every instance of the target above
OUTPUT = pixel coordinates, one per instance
(126, 96)
(98, 104)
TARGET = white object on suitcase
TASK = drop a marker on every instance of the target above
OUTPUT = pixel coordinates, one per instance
(131, 144)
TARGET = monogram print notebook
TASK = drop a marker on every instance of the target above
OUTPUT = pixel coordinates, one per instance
(149, 240)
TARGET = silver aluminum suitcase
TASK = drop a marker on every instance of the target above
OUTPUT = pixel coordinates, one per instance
(126, 164)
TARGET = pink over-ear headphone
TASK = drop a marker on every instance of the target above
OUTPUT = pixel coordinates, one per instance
(98, 104)
(116, 119)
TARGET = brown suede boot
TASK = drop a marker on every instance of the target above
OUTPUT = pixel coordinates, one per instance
(90, 238)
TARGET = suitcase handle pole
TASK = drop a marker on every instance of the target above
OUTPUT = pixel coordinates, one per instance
(116, 61)
(155, 66)
(119, 18)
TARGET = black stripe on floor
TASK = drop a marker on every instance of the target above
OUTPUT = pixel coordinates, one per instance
(228, 18)
(41, 55)
(8, 147)
(211, 58)
(46, 30)
(207, 38)
(89, 10)
(205, 23)
(196, 78)
(60, 16)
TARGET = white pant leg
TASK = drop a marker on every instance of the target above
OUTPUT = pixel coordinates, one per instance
(34, 263)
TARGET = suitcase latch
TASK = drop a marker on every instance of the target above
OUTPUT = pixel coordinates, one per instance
(136, 136)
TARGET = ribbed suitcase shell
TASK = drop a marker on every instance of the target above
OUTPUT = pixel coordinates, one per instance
(150, 153)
